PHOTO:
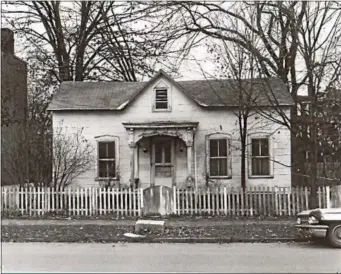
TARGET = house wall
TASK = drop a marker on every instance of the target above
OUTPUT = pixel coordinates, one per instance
(96, 123)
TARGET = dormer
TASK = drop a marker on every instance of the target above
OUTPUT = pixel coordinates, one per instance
(162, 97)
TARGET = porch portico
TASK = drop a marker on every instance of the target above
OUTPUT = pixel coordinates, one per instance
(162, 139)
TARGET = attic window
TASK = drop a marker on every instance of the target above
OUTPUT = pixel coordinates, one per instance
(161, 98)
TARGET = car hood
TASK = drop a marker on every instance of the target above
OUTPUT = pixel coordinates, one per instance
(306, 212)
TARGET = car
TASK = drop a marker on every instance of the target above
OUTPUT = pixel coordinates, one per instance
(321, 223)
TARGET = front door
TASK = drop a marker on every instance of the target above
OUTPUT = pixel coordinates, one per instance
(162, 171)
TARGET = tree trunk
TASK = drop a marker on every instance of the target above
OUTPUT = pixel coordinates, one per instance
(313, 169)
(313, 151)
(243, 167)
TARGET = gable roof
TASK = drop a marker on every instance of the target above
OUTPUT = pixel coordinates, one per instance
(206, 93)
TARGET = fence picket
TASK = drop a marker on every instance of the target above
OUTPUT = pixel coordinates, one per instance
(319, 197)
(328, 198)
(306, 198)
(323, 199)
(261, 200)
(213, 202)
(130, 203)
(251, 201)
(21, 207)
(42, 206)
(91, 206)
(289, 202)
(185, 192)
(195, 201)
(142, 203)
(209, 201)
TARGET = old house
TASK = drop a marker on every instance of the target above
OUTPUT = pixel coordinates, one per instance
(167, 132)
(13, 112)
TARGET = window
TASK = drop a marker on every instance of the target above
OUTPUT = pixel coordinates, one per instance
(107, 159)
(260, 157)
(163, 158)
(163, 152)
(161, 99)
(218, 157)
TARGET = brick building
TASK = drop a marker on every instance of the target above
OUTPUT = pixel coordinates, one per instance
(13, 112)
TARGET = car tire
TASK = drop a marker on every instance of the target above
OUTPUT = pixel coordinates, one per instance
(334, 235)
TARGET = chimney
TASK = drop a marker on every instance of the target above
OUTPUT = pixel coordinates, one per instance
(7, 40)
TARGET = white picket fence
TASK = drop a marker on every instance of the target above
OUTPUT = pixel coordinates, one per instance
(278, 201)
(81, 201)
(273, 201)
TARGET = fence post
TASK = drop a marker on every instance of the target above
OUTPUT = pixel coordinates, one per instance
(174, 199)
(328, 197)
(237, 201)
(196, 200)
(225, 200)
(142, 202)
(17, 201)
(233, 201)
(276, 200)
(289, 201)
(306, 198)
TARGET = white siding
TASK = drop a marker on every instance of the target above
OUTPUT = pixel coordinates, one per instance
(97, 123)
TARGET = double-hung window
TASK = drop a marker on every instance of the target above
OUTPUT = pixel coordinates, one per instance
(260, 157)
(107, 160)
(218, 157)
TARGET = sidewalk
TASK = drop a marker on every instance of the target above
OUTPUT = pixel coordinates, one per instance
(168, 223)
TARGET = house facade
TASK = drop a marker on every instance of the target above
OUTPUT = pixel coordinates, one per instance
(164, 132)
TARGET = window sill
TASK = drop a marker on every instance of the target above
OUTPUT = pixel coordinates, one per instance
(261, 176)
(220, 177)
(162, 110)
(97, 179)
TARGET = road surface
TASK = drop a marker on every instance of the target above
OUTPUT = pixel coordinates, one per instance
(142, 257)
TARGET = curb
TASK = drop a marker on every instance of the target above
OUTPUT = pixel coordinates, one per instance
(149, 240)
(215, 240)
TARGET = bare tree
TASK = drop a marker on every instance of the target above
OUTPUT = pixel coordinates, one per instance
(240, 67)
(92, 40)
(299, 43)
(72, 156)
(80, 41)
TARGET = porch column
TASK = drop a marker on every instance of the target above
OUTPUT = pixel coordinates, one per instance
(189, 160)
(132, 146)
(189, 144)
(132, 163)
(136, 161)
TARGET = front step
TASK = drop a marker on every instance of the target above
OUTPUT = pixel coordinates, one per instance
(149, 224)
